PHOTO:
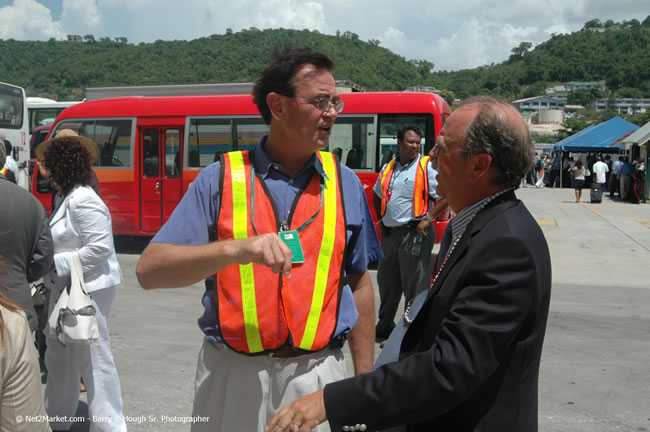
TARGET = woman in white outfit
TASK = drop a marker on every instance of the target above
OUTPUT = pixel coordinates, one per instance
(81, 223)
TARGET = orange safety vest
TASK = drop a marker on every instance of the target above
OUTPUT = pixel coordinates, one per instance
(260, 311)
(420, 190)
(3, 171)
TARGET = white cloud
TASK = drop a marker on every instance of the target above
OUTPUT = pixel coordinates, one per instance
(393, 39)
(289, 14)
(28, 20)
(81, 17)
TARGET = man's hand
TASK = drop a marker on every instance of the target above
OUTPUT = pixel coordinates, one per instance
(302, 415)
(266, 249)
(421, 229)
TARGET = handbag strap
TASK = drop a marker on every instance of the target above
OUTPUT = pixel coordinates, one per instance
(76, 272)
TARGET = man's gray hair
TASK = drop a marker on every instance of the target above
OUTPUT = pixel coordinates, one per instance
(3, 154)
(499, 131)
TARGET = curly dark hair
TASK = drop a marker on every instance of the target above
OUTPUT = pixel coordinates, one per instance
(279, 76)
(68, 163)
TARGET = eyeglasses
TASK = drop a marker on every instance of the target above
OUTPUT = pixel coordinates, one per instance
(438, 148)
(325, 103)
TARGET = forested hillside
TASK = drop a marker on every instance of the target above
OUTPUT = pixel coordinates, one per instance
(62, 69)
(618, 53)
(615, 52)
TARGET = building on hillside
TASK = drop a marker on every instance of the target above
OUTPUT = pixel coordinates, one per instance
(584, 85)
(74, 38)
(538, 103)
(623, 105)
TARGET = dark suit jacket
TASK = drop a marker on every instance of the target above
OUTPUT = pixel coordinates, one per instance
(470, 359)
(25, 245)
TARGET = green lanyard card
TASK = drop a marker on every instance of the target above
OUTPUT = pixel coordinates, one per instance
(291, 239)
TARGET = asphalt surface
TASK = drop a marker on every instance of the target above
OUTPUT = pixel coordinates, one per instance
(595, 371)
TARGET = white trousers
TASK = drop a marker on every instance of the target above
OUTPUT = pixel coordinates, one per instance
(235, 392)
(93, 362)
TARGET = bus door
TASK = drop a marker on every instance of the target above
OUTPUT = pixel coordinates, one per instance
(160, 179)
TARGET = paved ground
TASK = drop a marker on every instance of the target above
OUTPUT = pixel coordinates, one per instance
(595, 371)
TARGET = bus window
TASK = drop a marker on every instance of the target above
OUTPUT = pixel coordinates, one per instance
(249, 131)
(208, 138)
(353, 141)
(390, 124)
(211, 137)
(113, 139)
(150, 155)
(11, 107)
(172, 153)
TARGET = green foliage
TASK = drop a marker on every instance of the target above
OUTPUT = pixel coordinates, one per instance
(448, 96)
(62, 69)
(639, 119)
(543, 138)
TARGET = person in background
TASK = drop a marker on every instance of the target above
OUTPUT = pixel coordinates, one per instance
(466, 356)
(624, 177)
(540, 167)
(614, 178)
(21, 400)
(555, 170)
(578, 179)
(404, 197)
(5, 172)
(233, 226)
(10, 163)
(25, 244)
(638, 187)
(81, 223)
(600, 170)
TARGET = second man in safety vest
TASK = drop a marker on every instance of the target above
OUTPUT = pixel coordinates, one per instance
(404, 198)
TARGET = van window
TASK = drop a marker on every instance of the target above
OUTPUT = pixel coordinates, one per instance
(113, 139)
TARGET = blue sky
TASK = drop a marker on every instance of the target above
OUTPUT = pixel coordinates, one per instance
(452, 34)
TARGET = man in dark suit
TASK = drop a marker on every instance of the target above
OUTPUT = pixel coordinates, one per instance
(467, 353)
(25, 244)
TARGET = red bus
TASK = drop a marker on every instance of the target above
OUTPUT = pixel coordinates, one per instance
(152, 148)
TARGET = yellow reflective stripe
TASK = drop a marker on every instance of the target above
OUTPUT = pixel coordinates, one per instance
(240, 231)
(325, 253)
(389, 168)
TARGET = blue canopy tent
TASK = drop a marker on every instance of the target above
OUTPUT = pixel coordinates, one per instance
(599, 138)
(558, 145)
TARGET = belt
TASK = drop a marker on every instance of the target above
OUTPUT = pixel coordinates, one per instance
(289, 351)
(411, 225)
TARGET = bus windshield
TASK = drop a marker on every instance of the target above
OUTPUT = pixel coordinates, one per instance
(11, 107)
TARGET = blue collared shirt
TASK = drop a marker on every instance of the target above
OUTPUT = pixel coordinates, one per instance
(195, 215)
(399, 208)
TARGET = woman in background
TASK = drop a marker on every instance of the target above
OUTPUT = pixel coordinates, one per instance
(81, 223)
(578, 179)
(20, 383)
